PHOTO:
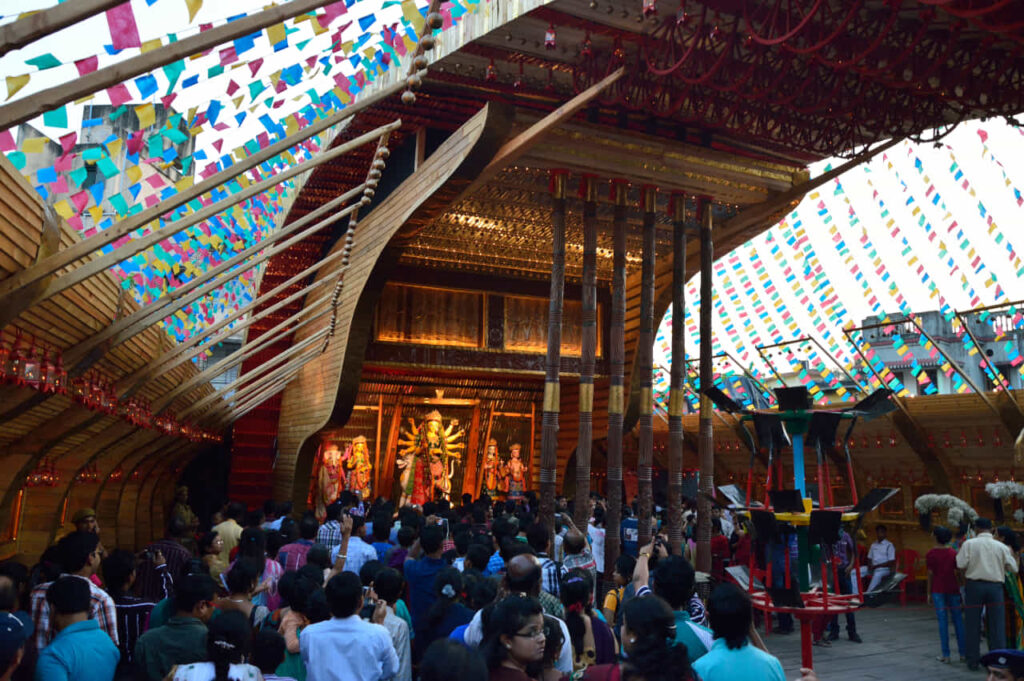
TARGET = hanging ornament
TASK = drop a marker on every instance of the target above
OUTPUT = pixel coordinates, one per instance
(492, 73)
(981, 438)
(892, 438)
(617, 50)
(963, 438)
(5, 354)
(549, 37)
(682, 16)
(519, 79)
(650, 8)
(16, 361)
(878, 442)
(997, 440)
(587, 49)
(945, 439)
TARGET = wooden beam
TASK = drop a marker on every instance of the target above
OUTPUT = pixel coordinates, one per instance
(27, 108)
(48, 21)
(122, 329)
(645, 364)
(762, 211)
(253, 395)
(588, 350)
(705, 427)
(677, 205)
(242, 410)
(11, 305)
(516, 148)
(616, 365)
(270, 337)
(82, 249)
(288, 369)
(552, 391)
(254, 373)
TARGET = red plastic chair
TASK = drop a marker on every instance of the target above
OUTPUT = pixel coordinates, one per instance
(906, 562)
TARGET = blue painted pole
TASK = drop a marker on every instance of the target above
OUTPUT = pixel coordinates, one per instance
(798, 463)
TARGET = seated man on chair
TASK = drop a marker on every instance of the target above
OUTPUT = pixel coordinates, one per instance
(881, 560)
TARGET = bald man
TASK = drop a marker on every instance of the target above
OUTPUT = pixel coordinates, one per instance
(522, 577)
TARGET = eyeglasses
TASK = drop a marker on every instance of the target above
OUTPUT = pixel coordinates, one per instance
(535, 635)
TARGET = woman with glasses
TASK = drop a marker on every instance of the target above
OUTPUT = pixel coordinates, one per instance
(513, 643)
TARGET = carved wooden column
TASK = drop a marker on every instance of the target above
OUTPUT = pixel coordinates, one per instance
(644, 362)
(588, 340)
(616, 366)
(677, 206)
(706, 442)
(549, 420)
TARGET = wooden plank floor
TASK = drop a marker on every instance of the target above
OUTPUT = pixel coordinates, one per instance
(900, 644)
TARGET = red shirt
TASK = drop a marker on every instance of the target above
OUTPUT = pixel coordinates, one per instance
(720, 553)
(942, 564)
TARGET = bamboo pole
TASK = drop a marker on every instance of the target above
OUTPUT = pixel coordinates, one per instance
(644, 364)
(588, 350)
(676, 395)
(289, 369)
(127, 327)
(552, 398)
(234, 359)
(616, 365)
(242, 410)
(135, 246)
(190, 348)
(47, 266)
(27, 108)
(706, 438)
(254, 373)
(48, 21)
(252, 391)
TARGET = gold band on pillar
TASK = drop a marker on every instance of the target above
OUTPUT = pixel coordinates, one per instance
(645, 363)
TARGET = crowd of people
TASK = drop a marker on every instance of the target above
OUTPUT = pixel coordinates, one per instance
(479, 591)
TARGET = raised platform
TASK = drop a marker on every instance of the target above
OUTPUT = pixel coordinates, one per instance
(900, 644)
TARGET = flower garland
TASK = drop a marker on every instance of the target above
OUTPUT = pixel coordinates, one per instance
(1005, 490)
(958, 512)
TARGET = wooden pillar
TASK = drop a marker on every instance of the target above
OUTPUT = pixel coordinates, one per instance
(705, 442)
(616, 365)
(644, 364)
(677, 206)
(552, 398)
(584, 443)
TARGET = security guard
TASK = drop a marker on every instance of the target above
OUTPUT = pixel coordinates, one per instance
(1004, 665)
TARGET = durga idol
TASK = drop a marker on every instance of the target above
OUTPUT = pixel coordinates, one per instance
(427, 456)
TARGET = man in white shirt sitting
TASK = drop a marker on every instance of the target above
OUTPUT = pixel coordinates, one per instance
(985, 561)
(881, 559)
(345, 648)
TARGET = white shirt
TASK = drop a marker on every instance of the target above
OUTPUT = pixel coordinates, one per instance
(985, 558)
(399, 631)
(359, 553)
(204, 671)
(597, 535)
(474, 634)
(881, 552)
(347, 649)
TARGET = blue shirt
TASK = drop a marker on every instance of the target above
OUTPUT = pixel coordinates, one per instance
(80, 652)
(420, 575)
(749, 663)
(495, 566)
(382, 548)
(630, 530)
(347, 649)
(697, 639)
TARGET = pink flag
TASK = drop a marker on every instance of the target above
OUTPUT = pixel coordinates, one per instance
(123, 31)
(87, 65)
(332, 12)
(67, 142)
(118, 94)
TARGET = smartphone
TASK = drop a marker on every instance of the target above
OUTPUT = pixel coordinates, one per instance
(443, 522)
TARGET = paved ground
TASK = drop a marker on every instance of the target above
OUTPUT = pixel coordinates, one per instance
(900, 644)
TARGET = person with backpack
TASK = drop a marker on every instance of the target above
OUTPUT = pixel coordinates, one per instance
(622, 577)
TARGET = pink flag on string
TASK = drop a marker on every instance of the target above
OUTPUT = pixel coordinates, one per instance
(254, 66)
(123, 31)
(87, 65)
(332, 12)
(118, 94)
(67, 142)
(7, 141)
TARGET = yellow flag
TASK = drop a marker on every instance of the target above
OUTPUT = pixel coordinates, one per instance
(15, 83)
(146, 114)
(151, 45)
(193, 8)
(34, 145)
(413, 16)
(64, 209)
(276, 33)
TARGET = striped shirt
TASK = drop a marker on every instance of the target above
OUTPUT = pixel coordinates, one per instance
(329, 535)
(101, 609)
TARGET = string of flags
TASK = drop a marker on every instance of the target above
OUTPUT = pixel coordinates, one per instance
(775, 294)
